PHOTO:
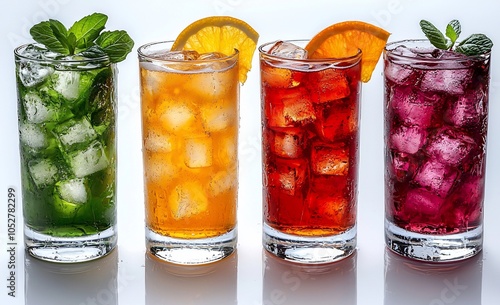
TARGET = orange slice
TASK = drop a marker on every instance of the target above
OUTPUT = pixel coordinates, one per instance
(220, 34)
(344, 38)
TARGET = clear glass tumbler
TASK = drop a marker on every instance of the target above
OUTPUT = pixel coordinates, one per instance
(190, 119)
(67, 116)
(436, 119)
(310, 139)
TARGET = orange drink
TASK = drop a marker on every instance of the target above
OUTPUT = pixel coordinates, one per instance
(190, 139)
(190, 120)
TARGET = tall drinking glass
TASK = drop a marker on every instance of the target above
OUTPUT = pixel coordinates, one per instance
(310, 140)
(67, 110)
(436, 115)
(190, 137)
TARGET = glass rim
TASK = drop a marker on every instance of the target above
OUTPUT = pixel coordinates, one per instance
(356, 56)
(143, 55)
(100, 60)
(395, 44)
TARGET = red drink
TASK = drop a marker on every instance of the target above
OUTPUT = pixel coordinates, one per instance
(435, 130)
(310, 116)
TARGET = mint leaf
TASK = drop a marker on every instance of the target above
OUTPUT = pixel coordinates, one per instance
(117, 44)
(87, 29)
(453, 30)
(43, 33)
(84, 37)
(435, 36)
(93, 52)
(475, 44)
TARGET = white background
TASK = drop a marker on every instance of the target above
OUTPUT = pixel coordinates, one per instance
(127, 276)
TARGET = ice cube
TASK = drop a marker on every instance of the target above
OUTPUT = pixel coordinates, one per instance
(279, 77)
(177, 118)
(33, 136)
(436, 177)
(73, 190)
(422, 202)
(74, 132)
(187, 199)
(408, 139)
(217, 117)
(89, 160)
(66, 83)
(467, 200)
(468, 110)
(176, 55)
(328, 159)
(39, 110)
(156, 141)
(297, 107)
(328, 85)
(451, 81)
(43, 172)
(159, 168)
(403, 165)
(223, 181)
(399, 74)
(288, 142)
(413, 108)
(31, 73)
(198, 152)
(336, 208)
(336, 121)
(450, 146)
(287, 50)
(288, 175)
(211, 55)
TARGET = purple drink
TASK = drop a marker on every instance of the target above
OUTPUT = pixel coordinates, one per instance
(436, 107)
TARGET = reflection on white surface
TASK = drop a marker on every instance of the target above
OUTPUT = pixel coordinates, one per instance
(413, 282)
(214, 283)
(89, 283)
(291, 283)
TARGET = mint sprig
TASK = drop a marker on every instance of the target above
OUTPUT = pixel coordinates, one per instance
(475, 44)
(85, 37)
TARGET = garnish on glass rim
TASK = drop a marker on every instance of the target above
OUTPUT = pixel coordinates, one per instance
(475, 44)
(84, 37)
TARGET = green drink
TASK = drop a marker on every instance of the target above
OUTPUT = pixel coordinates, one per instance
(67, 132)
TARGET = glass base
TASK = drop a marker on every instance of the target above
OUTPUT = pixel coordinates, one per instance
(433, 248)
(309, 250)
(69, 249)
(191, 251)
